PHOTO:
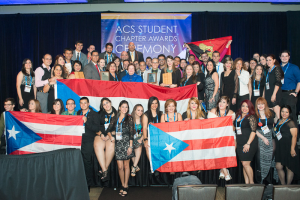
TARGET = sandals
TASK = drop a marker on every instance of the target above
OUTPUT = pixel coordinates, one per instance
(134, 170)
(124, 190)
(105, 176)
(121, 190)
(221, 176)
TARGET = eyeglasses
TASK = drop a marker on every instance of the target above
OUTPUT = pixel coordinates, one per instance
(7, 104)
(70, 103)
(161, 59)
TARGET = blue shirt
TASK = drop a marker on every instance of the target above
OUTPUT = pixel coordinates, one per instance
(291, 77)
(132, 78)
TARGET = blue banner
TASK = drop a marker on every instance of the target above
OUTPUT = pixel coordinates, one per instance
(152, 33)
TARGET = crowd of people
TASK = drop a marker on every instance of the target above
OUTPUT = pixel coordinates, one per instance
(260, 97)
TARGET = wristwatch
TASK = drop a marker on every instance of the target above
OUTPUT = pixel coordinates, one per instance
(145, 139)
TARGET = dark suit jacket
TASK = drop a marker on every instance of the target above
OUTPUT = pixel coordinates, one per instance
(176, 77)
(103, 55)
(122, 74)
(138, 56)
(90, 72)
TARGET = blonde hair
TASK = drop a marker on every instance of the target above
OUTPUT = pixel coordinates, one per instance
(168, 102)
(199, 112)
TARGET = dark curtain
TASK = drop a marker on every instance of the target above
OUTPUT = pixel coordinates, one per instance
(33, 35)
(262, 32)
(293, 39)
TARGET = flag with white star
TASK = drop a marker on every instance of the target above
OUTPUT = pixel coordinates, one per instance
(192, 145)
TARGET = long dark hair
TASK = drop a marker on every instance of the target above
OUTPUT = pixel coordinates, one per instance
(290, 111)
(24, 70)
(193, 76)
(254, 72)
(101, 103)
(62, 108)
(62, 70)
(214, 68)
(226, 98)
(133, 112)
(277, 65)
(173, 67)
(76, 62)
(149, 113)
(126, 120)
(250, 107)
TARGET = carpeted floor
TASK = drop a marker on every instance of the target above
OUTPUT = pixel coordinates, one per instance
(147, 193)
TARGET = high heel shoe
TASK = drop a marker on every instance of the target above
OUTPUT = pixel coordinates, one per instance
(105, 176)
(125, 190)
(228, 177)
(221, 176)
(133, 170)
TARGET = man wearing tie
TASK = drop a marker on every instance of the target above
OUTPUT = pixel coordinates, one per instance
(133, 54)
(91, 70)
(78, 55)
(108, 55)
(124, 56)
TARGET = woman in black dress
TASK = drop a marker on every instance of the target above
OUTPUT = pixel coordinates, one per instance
(111, 68)
(273, 84)
(176, 75)
(124, 126)
(245, 128)
(286, 153)
(263, 62)
(152, 115)
(171, 114)
(137, 114)
(229, 83)
(257, 84)
(211, 86)
(189, 78)
(266, 118)
(193, 110)
(104, 145)
(200, 74)
(253, 63)
(58, 73)
(26, 84)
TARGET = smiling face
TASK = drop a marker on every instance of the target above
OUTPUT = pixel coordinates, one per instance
(70, 105)
(123, 108)
(154, 105)
(216, 57)
(77, 67)
(171, 107)
(260, 106)
(102, 63)
(189, 70)
(112, 68)
(47, 60)
(57, 106)
(252, 64)
(262, 60)
(106, 105)
(210, 66)
(84, 104)
(270, 61)
(28, 65)
(285, 113)
(131, 69)
(139, 111)
(245, 108)
(196, 68)
(193, 106)
(8, 106)
(284, 57)
(191, 59)
(258, 70)
(31, 106)
(61, 61)
(204, 57)
(239, 65)
(117, 62)
(170, 62)
(228, 65)
(57, 71)
(223, 104)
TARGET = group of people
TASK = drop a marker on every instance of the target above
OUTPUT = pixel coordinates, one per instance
(261, 98)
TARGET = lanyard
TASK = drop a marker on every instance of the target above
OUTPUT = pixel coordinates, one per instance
(240, 121)
(218, 67)
(168, 117)
(185, 81)
(30, 80)
(85, 113)
(114, 77)
(191, 115)
(156, 119)
(136, 128)
(286, 68)
(74, 113)
(118, 125)
(109, 119)
(224, 114)
(267, 78)
(259, 123)
(258, 84)
(280, 126)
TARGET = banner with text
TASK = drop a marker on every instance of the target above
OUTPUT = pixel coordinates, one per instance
(152, 33)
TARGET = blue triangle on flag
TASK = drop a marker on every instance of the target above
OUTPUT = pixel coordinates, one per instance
(64, 93)
(17, 134)
(163, 147)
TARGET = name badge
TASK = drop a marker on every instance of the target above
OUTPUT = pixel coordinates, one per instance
(238, 131)
(106, 126)
(256, 92)
(135, 135)
(279, 136)
(265, 129)
(282, 81)
(118, 135)
(267, 86)
(27, 88)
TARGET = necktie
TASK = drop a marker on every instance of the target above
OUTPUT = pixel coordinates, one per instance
(98, 69)
(132, 57)
(77, 57)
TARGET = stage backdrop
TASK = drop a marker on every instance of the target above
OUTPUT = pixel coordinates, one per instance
(152, 33)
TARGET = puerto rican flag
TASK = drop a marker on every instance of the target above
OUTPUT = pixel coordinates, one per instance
(192, 145)
(134, 93)
(28, 133)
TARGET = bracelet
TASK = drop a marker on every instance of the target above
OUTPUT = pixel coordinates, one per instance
(248, 144)
(131, 147)
(145, 139)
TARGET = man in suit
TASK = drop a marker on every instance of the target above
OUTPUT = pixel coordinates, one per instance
(90, 49)
(91, 70)
(78, 55)
(124, 72)
(68, 53)
(108, 55)
(154, 69)
(142, 69)
(133, 54)
(124, 56)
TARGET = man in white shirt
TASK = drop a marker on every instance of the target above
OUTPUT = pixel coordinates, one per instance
(68, 53)
(219, 65)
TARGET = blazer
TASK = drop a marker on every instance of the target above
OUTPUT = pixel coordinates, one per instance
(150, 71)
(138, 56)
(103, 55)
(134, 78)
(90, 72)
(176, 77)
(122, 74)
(83, 58)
